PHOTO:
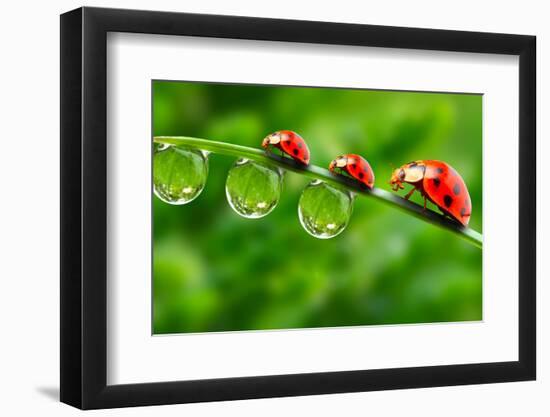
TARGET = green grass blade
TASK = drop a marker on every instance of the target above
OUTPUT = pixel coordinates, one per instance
(323, 174)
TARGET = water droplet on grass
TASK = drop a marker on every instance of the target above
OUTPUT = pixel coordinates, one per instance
(324, 211)
(179, 174)
(253, 189)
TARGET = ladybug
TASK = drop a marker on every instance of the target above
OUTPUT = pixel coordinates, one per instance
(290, 143)
(355, 166)
(438, 182)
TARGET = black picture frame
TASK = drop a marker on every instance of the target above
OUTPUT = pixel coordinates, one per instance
(84, 207)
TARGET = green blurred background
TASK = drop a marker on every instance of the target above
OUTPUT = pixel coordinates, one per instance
(216, 271)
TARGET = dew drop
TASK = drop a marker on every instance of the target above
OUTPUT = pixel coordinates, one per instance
(179, 174)
(253, 189)
(324, 211)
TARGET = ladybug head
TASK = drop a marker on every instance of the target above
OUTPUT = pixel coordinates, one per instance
(271, 139)
(410, 173)
(397, 178)
(339, 162)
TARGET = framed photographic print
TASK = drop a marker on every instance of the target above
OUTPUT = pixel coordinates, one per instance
(258, 208)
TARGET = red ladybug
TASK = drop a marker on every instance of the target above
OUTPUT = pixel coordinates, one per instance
(290, 143)
(355, 166)
(438, 182)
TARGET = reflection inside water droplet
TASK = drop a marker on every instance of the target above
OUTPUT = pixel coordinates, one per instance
(179, 174)
(253, 189)
(324, 211)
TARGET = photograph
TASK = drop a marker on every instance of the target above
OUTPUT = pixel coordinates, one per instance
(302, 207)
(263, 206)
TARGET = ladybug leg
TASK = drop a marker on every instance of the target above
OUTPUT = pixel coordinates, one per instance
(408, 195)
(425, 198)
(280, 154)
(344, 173)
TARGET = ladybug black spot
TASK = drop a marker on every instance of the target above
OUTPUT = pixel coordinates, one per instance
(448, 200)
(295, 151)
(353, 166)
(361, 175)
(436, 181)
(439, 170)
(456, 189)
